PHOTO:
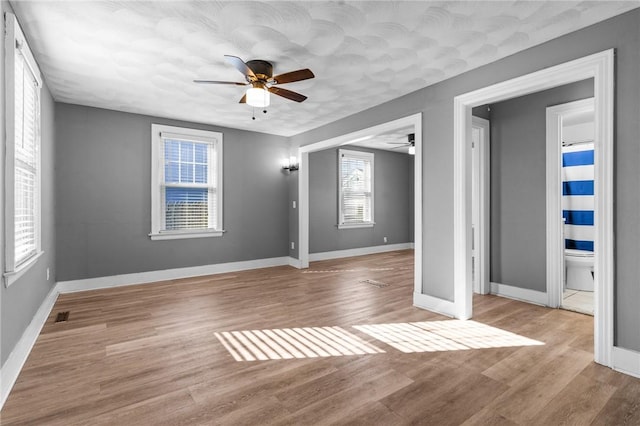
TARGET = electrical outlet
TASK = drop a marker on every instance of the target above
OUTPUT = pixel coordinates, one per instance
(47, 274)
(294, 204)
(293, 245)
(384, 239)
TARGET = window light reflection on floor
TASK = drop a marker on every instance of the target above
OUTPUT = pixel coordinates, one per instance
(290, 343)
(448, 335)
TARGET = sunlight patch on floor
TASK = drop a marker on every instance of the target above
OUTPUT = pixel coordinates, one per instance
(290, 343)
(448, 335)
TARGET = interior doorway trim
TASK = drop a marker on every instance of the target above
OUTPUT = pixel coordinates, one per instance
(555, 240)
(482, 188)
(303, 187)
(600, 67)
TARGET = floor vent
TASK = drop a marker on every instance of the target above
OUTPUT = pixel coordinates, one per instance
(375, 283)
(62, 316)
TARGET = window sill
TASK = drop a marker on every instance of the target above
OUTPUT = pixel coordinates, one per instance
(13, 276)
(179, 235)
(356, 225)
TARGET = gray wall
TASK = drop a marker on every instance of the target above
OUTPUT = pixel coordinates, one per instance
(436, 104)
(482, 111)
(292, 183)
(518, 185)
(392, 195)
(22, 299)
(104, 204)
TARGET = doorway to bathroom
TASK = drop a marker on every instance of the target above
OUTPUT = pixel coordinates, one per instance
(571, 200)
(600, 68)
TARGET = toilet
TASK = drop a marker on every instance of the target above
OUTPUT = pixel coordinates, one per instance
(578, 266)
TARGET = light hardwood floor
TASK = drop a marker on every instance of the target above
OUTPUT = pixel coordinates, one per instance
(155, 354)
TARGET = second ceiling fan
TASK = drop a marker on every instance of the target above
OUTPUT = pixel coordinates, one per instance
(259, 75)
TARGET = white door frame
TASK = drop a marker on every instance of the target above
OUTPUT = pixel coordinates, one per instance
(303, 187)
(600, 67)
(555, 240)
(482, 239)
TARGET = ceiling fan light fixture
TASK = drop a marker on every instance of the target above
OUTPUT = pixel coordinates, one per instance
(258, 97)
(412, 150)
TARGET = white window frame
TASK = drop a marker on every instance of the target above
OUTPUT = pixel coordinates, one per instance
(158, 133)
(367, 156)
(16, 44)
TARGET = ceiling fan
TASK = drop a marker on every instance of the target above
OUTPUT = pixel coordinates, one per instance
(259, 75)
(411, 143)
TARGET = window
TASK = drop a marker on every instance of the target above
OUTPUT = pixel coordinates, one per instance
(186, 183)
(22, 191)
(355, 184)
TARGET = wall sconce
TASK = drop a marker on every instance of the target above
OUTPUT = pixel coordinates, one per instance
(290, 164)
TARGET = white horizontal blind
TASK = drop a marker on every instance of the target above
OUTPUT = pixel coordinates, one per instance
(188, 187)
(26, 132)
(356, 184)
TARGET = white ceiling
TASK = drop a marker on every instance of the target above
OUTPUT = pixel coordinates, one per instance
(141, 57)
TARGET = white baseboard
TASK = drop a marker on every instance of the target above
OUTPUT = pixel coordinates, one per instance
(626, 361)
(337, 254)
(517, 293)
(434, 304)
(167, 274)
(13, 365)
(295, 262)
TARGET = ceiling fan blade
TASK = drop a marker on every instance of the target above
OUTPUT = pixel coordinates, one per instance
(399, 143)
(401, 146)
(243, 100)
(220, 82)
(287, 94)
(290, 77)
(240, 65)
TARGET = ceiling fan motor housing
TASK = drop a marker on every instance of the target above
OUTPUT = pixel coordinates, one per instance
(262, 69)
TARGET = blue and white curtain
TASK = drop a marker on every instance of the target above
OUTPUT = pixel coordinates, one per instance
(577, 195)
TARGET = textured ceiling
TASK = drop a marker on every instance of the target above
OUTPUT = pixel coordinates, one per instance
(141, 57)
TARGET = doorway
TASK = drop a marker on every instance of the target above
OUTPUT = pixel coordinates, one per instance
(600, 67)
(369, 184)
(414, 121)
(570, 205)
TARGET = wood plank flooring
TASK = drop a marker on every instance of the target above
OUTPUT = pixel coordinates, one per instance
(158, 354)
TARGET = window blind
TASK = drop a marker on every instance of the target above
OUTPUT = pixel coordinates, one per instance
(26, 116)
(356, 184)
(188, 188)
